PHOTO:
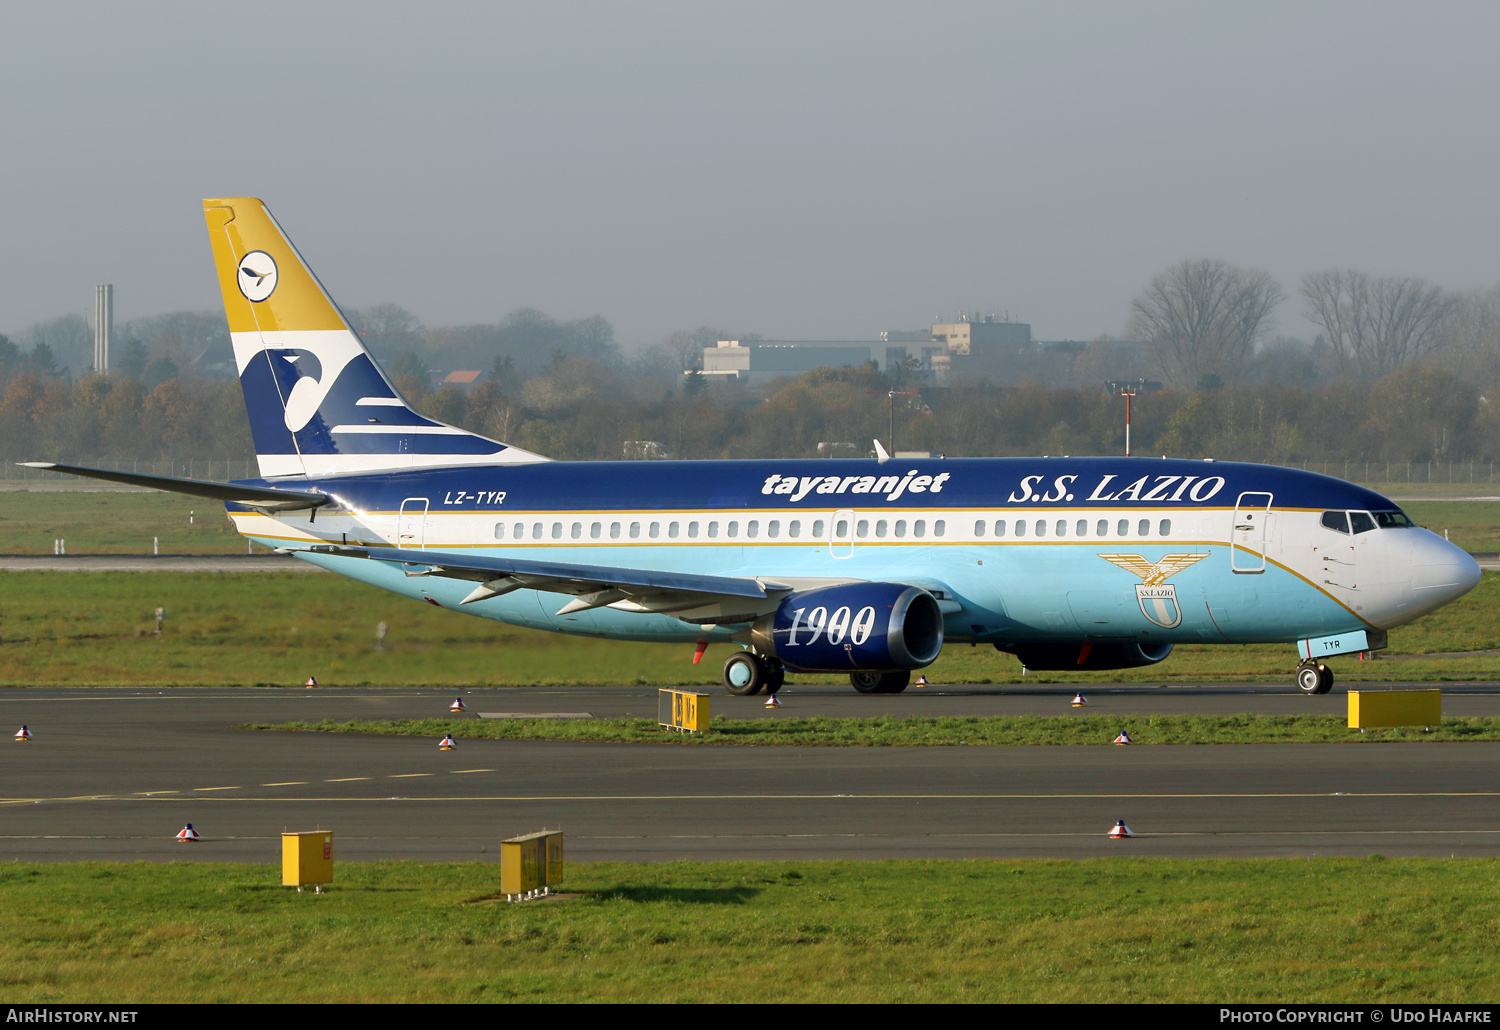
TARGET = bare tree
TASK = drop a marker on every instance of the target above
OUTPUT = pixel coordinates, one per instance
(1202, 318)
(1376, 325)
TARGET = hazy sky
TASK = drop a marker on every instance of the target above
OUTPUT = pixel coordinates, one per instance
(800, 170)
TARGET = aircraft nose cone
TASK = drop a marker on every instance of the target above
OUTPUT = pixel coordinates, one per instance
(1440, 572)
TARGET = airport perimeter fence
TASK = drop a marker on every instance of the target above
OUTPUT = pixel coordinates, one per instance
(1369, 472)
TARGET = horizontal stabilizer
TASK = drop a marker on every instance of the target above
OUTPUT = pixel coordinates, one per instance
(261, 497)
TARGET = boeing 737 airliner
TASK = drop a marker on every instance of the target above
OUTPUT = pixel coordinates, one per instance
(864, 567)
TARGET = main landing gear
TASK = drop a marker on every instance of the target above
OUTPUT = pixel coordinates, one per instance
(880, 682)
(1313, 677)
(747, 673)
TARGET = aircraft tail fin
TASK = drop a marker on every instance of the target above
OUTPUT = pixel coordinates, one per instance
(318, 403)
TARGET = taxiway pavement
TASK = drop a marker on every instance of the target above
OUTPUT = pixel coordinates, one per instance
(114, 774)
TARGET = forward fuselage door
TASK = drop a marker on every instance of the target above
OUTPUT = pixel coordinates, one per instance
(841, 535)
(411, 527)
(1250, 532)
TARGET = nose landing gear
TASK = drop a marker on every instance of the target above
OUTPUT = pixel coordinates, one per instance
(1313, 677)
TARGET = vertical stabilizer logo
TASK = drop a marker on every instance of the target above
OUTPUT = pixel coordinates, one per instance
(1157, 597)
(256, 276)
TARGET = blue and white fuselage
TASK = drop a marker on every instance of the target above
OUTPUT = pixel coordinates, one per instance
(1021, 550)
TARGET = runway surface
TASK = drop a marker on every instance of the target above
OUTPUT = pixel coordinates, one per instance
(114, 774)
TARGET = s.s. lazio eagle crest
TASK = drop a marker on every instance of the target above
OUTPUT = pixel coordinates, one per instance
(1157, 597)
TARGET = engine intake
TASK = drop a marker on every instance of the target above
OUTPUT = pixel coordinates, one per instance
(853, 627)
(1081, 657)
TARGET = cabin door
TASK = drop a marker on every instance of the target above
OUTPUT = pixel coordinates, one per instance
(411, 528)
(1250, 533)
(841, 535)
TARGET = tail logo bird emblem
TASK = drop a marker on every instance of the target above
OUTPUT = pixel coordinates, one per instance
(257, 276)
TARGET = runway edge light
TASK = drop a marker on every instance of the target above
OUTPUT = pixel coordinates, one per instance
(23, 734)
(1079, 700)
(188, 835)
(1124, 738)
(458, 705)
(446, 744)
(1120, 832)
(312, 681)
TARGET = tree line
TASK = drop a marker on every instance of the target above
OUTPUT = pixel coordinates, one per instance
(583, 408)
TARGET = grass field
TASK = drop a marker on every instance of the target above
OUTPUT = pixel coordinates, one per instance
(928, 731)
(1109, 930)
(280, 628)
(114, 522)
(122, 522)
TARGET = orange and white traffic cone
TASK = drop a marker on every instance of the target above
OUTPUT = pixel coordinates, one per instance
(446, 744)
(1120, 832)
(1124, 738)
(458, 705)
(188, 835)
(312, 681)
(1079, 700)
(23, 734)
(773, 701)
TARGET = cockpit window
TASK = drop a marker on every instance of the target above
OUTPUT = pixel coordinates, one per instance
(1336, 520)
(1361, 521)
(1393, 520)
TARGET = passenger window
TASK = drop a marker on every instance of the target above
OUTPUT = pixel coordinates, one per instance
(900, 527)
(614, 530)
(499, 531)
(1082, 527)
(841, 530)
(1020, 527)
(713, 530)
(692, 529)
(557, 531)
(1336, 520)
(1143, 527)
(518, 531)
(817, 529)
(1041, 527)
(595, 531)
(979, 528)
(862, 527)
(773, 528)
(1164, 527)
(919, 528)
(536, 531)
(939, 527)
(1361, 521)
(753, 529)
(635, 530)
(1000, 528)
(672, 529)
(1062, 527)
(1123, 528)
(1102, 529)
(880, 527)
(795, 529)
(734, 529)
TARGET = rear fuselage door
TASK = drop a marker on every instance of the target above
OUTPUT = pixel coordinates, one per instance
(1249, 532)
(411, 527)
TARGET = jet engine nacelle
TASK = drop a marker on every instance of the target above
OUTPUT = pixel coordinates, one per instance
(1081, 657)
(853, 627)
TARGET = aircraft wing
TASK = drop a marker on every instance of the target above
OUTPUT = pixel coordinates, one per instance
(687, 596)
(264, 498)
